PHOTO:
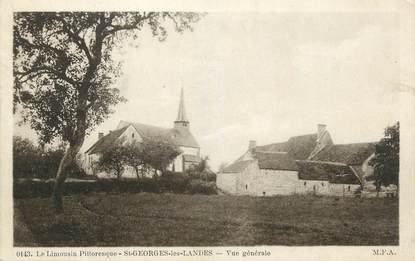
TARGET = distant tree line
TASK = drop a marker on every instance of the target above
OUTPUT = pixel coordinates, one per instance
(36, 161)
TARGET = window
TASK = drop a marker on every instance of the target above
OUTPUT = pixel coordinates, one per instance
(348, 188)
(305, 183)
(132, 135)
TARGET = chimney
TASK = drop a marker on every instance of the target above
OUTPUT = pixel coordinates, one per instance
(321, 128)
(100, 135)
(252, 144)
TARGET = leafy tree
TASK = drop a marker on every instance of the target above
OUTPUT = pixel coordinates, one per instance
(134, 157)
(159, 154)
(64, 69)
(36, 161)
(113, 160)
(386, 159)
(26, 158)
(202, 171)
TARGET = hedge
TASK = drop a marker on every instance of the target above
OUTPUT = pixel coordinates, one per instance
(169, 183)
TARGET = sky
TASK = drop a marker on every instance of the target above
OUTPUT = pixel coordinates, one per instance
(263, 77)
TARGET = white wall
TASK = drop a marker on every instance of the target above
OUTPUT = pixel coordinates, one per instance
(227, 182)
(178, 164)
(343, 189)
(190, 150)
(254, 181)
(314, 187)
(128, 134)
(178, 161)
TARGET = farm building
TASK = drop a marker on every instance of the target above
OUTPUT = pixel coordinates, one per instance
(304, 164)
(260, 174)
(180, 135)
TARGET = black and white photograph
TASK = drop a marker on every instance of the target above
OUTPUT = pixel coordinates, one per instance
(205, 129)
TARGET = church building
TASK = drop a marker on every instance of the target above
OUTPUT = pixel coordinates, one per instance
(179, 135)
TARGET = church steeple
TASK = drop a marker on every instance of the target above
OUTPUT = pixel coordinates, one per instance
(181, 120)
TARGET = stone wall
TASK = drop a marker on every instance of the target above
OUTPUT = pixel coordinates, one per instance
(227, 182)
(260, 182)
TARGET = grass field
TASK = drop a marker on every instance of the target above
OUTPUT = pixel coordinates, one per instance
(147, 219)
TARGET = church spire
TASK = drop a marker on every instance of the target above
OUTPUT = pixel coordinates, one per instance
(181, 120)
(181, 116)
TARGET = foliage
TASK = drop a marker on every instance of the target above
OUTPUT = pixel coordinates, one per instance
(202, 171)
(31, 161)
(141, 156)
(64, 71)
(27, 158)
(174, 182)
(64, 66)
(201, 187)
(159, 154)
(113, 159)
(170, 182)
(386, 159)
(135, 157)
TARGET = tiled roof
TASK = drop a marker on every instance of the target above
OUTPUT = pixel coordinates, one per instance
(191, 158)
(274, 147)
(237, 166)
(275, 161)
(351, 154)
(334, 173)
(299, 147)
(152, 132)
(106, 141)
(183, 137)
(179, 137)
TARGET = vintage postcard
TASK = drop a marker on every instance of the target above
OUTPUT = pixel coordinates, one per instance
(234, 130)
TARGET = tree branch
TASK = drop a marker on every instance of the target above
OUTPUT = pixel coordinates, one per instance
(76, 38)
(117, 28)
(45, 70)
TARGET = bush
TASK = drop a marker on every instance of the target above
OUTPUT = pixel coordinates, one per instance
(31, 161)
(174, 182)
(170, 182)
(27, 159)
(205, 175)
(201, 187)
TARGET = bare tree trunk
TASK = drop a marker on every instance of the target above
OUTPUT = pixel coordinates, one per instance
(67, 159)
(70, 154)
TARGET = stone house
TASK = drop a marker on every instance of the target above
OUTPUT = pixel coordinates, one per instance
(324, 178)
(180, 135)
(321, 167)
(260, 174)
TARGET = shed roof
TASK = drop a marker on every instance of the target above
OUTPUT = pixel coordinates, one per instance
(106, 141)
(237, 166)
(275, 161)
(334, 173)
(299, 147)
(351, 154)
